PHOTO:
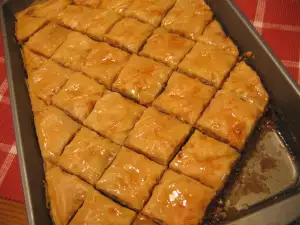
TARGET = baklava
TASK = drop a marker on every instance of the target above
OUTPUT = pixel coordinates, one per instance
(141, 108)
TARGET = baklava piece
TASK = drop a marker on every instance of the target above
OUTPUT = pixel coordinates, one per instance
(50, 9)
(143, 220)
(65, 193)
(167, 47)
(88, 3)
(157, 136)
(79, 96)
(188, 18)
(184, 97)
(142, 79)
(46, 81)
(178, 200)
(208, 63)
(245, 82)
(118, 6)
(149, 11)
(130, 178)
(214, 35)
(98, 209)
(54, 131)
(26, 26)
(104, 63)
(129, 34)
(48, 39)
(88, 155)
(93, 22)
(205, 159)
(74, 51)
(114, 116)
(37, 104)
(31, 60)
(229, 118)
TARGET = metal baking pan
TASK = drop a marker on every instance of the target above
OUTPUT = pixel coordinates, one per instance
(264, 187)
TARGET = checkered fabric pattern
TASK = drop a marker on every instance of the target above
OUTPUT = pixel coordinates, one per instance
(277, 20)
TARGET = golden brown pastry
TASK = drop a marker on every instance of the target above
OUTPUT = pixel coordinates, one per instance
(143, 220)
(130, 178)
(114, 116)
(65, 193)
(31, 60)
(88, 3)
(104, 63)
(188, 18)
(93, 22)
(229, 118)
(205, 159)
(74, 51)
(26, 26)
(157, 136)
(118, 6)
(178, 200)
(78, 96)
(245, 82)
(166, 47)
(129, 34)
(142, 79)
(88, 155)
(54, 131)
(149, 11)
(208, 63)
(214, 35)
(98, 209)
(47, 40)
(184, 97)
(46, 81)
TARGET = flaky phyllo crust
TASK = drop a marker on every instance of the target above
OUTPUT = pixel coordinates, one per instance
(141, 107)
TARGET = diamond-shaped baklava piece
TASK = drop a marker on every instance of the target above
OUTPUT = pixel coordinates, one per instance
(157, 136)
(205, 159)
(49, 9)
(245, 82)
(74, 51)
(98, 209)
(26, 26)
(31, 60)
(167, 47)
(104, 63)
(130, 178)
(143, 220)
(94, 22)
(88, 155)
(54, 131)
(214, 35)
(149, 11)
(114, 116)
(142, 79)
(188, 18)
(118, 6)
(65, 193)
(46, 81)
(129, 34)
(79, 96)
(178, 200)
(48, 39)
(184, 97)
(88, 3)
(229, 118)
(208, 63)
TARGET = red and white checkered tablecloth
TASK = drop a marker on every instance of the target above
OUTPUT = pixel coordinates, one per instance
(277, 20)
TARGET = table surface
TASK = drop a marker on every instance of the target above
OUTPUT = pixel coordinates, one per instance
(277, 20)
